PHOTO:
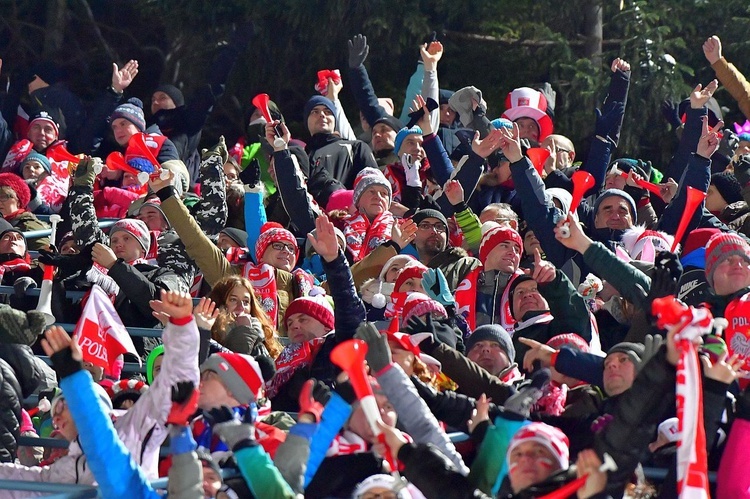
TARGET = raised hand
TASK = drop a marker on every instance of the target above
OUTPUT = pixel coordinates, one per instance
(175, 304)
(454, 191)
(272, 137)
(431, 54)
(589, 464)
(712, 49)
(620, 64)
(577, 240)
(701, 95)
(103, 255)
(122, 78)
(156, 183)
(358, 51)
(488, 145)
(544, 271)
(205, 313)
(668, 190)
(537, 352)
(324, 240)
(403, 232)
(480, 413)
(709, 141)
(424, 121)
(510, 143)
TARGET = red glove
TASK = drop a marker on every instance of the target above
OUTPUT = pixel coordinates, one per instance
(309, 398)
(184, 403)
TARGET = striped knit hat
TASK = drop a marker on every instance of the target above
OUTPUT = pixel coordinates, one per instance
(367, 178)
(719, 248)
(240, 374)
(494, 234)
(549, 436)
(272, 232)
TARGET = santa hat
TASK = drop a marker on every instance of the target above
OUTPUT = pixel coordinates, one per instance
(525, 102)
(18, 186)
(410, 343)
(367, 178)
(413, 269)
(135, 228)
(636, 238)
(240, 374)
(316, 307)
(548, 436)
(418, 304)
(272, 232)
(126, 389)
(494, 234)
(722, 246)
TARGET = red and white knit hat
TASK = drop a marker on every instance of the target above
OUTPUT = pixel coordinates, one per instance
(493, 234)
(550, 437)
(415, 269)
(570, 339)
(240, 374)
(417, 304)
(272, 232)
(367, 178)
(316, 307)
(135, 228)
(719, 248)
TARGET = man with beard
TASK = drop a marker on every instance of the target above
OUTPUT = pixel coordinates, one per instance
(431, 241)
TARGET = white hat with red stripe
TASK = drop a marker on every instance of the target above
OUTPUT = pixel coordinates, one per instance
(552, 438)
(240, 374)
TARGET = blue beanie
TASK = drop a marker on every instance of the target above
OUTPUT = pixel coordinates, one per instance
(493, 332)
(39, 158)
(132, 111)
(401, 135)
(318, 100)
(616, 192)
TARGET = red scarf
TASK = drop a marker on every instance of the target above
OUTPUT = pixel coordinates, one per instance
(363, 236)
(293, 357)
(15, 265)
(263, 278)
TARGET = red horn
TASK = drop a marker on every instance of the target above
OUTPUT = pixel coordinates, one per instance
(582, 182)
(537, 156)
(645, 184)
(57, 152)
(350, 357)
(694, 198)
(138, 141)
(261, 102)
(116, 161)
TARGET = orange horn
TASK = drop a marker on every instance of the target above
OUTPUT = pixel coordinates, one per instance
(537, 156)
(138, 141)
(582, 182)
(694, 198)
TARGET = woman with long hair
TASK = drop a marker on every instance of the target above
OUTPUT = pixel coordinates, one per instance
(236, 320)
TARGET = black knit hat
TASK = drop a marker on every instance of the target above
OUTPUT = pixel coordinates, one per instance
(421, 215)
(173, 92)
(728, 186)
(634, 351)
(493, 332)
(513, 285)
(392, 122)
(239, 236)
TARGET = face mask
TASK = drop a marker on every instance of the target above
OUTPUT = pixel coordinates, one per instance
(616, 308)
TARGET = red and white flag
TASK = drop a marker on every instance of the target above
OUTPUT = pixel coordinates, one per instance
(100, 332)
(466, 298)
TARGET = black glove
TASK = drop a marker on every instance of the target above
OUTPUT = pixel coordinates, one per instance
(378, 353)
(22, 284)
(64, 364)
(67, 265)
(358, 50)
(236, 433)
(528, 394)
(251, 174)
(346, 392)
(549, 93)
(665, 279)
(742, 170)
(415, 116)
(609, 121)
(742, 410)
(670, 111)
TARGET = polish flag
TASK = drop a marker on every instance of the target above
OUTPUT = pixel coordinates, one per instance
(100, 332)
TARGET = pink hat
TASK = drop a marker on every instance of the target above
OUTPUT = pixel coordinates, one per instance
(525, 102)
(340, 200)
(417, 304)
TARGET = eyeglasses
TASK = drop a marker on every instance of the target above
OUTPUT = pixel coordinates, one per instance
(232, 177)
(437, 227)
(7, 197)
(282, 246)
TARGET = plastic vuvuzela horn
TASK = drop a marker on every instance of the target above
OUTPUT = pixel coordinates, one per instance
(582, 182)
(694, 199)
(261, 102)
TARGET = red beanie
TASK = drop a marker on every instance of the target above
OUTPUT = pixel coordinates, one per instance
(722, 246)
(412, 269)
(698, 239)
(418, 304)
(316, 307)
(18, 185)
(272, 232)
(494, 234)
